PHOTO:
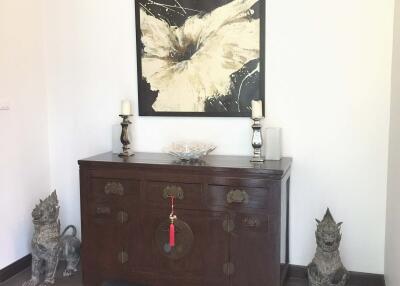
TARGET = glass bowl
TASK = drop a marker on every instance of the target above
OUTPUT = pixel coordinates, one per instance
(190, 151)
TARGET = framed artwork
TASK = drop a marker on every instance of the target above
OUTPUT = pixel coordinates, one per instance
(200, 57)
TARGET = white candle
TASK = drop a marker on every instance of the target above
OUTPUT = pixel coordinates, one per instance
(256, 109)
(126, 107)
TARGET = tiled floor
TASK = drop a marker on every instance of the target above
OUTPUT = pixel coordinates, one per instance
(76, 280)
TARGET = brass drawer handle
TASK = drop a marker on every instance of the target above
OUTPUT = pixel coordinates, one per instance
(228, 225)
(123, 257)
(251, 222)
(122, 217)
(114, 188)
(103, 210)
(228, 268)
(237, 196)
(173, 191)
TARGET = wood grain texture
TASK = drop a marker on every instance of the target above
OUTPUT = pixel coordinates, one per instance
(213, 163)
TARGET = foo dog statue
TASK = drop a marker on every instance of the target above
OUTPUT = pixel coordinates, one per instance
(327, 269)
(48, 246)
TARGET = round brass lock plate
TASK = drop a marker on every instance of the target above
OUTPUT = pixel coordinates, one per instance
(183, 239)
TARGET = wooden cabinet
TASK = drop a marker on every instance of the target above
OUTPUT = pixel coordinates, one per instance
(232, 227)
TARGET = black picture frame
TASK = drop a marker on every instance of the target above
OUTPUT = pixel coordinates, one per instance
(145, 95)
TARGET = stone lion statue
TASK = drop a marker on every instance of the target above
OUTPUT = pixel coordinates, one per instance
(48, 246)
(327, 269)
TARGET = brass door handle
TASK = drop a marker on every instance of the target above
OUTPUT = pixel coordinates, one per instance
(123, 257)
(228, 268)
(122, 217)
(173, 191)
(228, 224)
(237, 196)
(114, 188)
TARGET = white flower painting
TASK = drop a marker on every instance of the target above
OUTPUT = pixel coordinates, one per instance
(199, 57)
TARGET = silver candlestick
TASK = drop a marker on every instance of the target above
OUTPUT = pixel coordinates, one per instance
(125, 136)
(257, 141)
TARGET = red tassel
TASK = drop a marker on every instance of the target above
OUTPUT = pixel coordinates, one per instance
(172, 235)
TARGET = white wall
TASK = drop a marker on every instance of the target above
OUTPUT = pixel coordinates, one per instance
(24, 173)
(392, 255)
(328, 87)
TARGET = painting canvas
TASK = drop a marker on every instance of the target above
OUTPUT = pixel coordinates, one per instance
(199, 57)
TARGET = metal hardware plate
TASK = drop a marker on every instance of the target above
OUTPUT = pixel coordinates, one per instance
(183, 239)
(122, 217)
(228, 224)
(237, 196)
(123, 257)
(251, 221)
(102, 210)
(173, 191)
(114, 188)
(228, 268)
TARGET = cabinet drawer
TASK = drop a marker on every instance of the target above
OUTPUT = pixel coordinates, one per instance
(239, 197)
(186, 195)
(115, 189)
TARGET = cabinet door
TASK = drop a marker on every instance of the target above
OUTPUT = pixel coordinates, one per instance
(104, 245)
(201, 247)
(253, 261)
(216, 248)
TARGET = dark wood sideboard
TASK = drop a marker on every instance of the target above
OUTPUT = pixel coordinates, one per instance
(232, 227)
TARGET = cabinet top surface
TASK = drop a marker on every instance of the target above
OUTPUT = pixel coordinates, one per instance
(214, 162)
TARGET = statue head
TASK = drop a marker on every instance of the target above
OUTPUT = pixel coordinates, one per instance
(46, 211)
(328, 233)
